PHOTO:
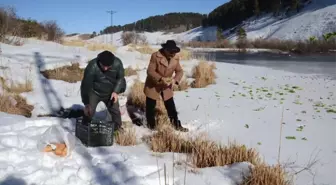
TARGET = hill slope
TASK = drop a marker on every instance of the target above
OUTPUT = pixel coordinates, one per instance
(316, 19)
(176, 22)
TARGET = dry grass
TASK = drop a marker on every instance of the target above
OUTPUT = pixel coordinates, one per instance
(127, 137)
(203, 74)
(137, 98)
(98, 47)
(182, 86)
(71, 74)
(316, 46)
(265, 175)
(76, 43)
(201, 151)
(143, 48)
(90, 46)
(17, 88)
(211, 44)
(185, 54)
(19, 106)
(11, 101)
(129, 71)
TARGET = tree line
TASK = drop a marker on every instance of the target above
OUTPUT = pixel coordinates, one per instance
(234, 12)
(164, 22)
(12, 25)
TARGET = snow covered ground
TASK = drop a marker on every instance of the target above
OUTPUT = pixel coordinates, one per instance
(245, 104)
(315, 19)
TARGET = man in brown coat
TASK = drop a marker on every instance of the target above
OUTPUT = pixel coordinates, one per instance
(159, 82)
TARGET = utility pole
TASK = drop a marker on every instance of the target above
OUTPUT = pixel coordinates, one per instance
(111, 12)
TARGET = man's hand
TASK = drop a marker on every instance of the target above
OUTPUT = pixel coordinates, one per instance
(88, 110)
(166, 81)
(114, 97)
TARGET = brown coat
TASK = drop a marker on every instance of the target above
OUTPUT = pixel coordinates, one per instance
(160, 67)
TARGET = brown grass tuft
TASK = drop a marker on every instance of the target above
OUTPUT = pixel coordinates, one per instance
(204, 75)
(185, 54)
(201, 151)
(99, 46)
(209, 44)
(71, 74)
(143, 48)
(129, 71)
(17, 88)
(264, 175)
(20, 107)
(76, 43)
(127, 137)
(136, 96)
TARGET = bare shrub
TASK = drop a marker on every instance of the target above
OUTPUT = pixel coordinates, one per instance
(9, 26)
(71, 74)
(263, 174)
(203, 74)
(132, 37)
(129, 71)
(127, 38)
(284, 45)
(54, 32)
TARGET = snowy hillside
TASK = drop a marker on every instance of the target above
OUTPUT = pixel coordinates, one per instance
(315, 19)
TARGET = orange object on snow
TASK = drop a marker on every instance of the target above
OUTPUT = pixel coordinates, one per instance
(59, 149)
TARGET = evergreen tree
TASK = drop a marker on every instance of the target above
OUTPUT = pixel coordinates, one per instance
(256, 8)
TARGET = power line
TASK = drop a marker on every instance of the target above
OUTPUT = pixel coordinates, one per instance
(111, 12)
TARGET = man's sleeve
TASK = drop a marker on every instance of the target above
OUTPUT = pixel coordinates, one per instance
(87, 82)
(178, 73)
(120, 77)
(151, 70)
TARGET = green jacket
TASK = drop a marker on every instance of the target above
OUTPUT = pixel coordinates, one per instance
(102, 83)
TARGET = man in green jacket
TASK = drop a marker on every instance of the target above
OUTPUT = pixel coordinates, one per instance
(103, 80)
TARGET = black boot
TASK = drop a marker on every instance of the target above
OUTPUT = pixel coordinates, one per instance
(177, 125)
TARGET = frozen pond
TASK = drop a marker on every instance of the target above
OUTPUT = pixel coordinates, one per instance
(313, 64)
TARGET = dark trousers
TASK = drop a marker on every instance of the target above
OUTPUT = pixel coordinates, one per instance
(150, 111)
(112, 108)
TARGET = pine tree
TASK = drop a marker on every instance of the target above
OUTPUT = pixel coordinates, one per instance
(219, 33)
(295, 5)
(241, 38)
(256, 8)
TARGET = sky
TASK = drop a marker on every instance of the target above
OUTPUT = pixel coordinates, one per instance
(86, 16)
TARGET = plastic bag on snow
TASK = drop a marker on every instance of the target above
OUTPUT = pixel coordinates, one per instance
(56, 134)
